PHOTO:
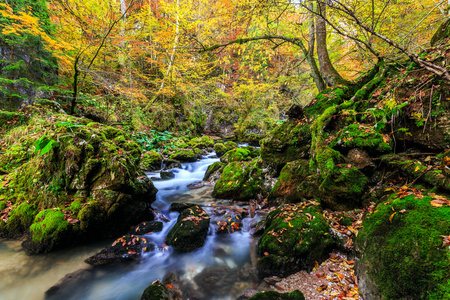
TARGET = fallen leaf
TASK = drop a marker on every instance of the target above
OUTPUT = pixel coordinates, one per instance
(392, 216)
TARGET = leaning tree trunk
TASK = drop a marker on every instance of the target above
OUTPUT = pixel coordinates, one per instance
(329, 73)
(315, 73)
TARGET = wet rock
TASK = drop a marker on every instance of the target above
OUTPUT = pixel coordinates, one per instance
(185, 155)
(180, 206)
(196, 185)
(190, 231)
(295, 237)
(229, 223)
(171, 164)
(213, 169)
(155, 291)
(247, 272)
(69, 282)
(126, 248)
(166, 174)
(146, 228)
(216, 280)
(172, 282)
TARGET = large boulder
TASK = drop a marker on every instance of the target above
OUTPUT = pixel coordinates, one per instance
(291, 176)
(151, 161)
(405, 247)
(203, 142)
(239, 154)
(240, 181)
(190, 231)
(156, 291)
(295, 237)
(221, 148)
(81, 179)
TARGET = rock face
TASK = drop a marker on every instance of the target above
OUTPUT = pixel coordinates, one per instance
(93, 185)
(295, 237)
(190, 231)
(240, 181)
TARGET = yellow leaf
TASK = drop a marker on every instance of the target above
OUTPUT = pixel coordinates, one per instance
(417, 168)
(392, 216)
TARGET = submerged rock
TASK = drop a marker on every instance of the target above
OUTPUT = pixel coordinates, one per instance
(190, 231)
(216, 280)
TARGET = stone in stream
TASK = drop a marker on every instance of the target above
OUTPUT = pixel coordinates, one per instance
(196, 185)
(166, 174)
(229, 223)
(216, 280)
(155, 291)
(190, 231)
(126, 248)
(146, 228)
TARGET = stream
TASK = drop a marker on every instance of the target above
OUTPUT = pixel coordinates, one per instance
(28, 277)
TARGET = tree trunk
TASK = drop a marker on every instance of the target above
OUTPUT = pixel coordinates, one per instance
(315, 73)
(329, 73)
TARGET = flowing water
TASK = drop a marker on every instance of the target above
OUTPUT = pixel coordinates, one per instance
(28, 277)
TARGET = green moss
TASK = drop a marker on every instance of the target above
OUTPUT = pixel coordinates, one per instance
(20, 218)
(285, 189)
(48, 229)
(239, 154)
(90, 216)
(155, 291)
(221, 149)
(361, 136)
(201, 142)
(2, 205)
(295, 237)
(240, 181)
(185, 155)
(403, 245)
(151, 161)
(273, 295)
(215, 167)
(76, 206)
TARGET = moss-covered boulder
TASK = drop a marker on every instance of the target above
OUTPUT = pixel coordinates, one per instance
(221, 149)
(291, 176)
(240, 181)
(155, 291)
(215, 168)
(288, 142)
(295, 237)
(341, 189)
(273, 295)
(405, 247)
(360, 136)
(190, 231)
(240, 154)
(203, 142)
(151, 161)
(185, 155)
(78, 179)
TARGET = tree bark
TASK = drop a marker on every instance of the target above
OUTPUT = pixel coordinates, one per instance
(329, 73)
(315, 73)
